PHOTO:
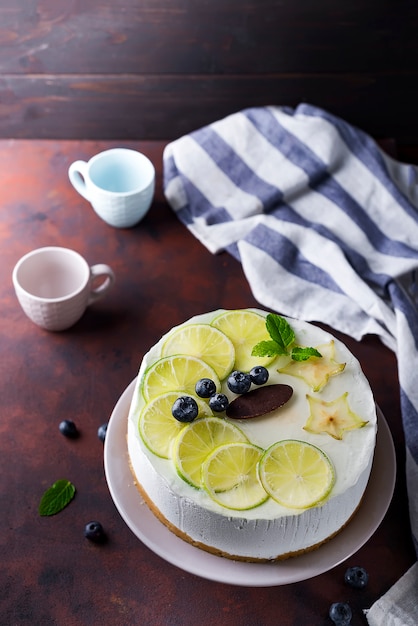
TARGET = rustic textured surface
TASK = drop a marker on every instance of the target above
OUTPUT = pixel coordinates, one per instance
(50, 574)
(158, 69)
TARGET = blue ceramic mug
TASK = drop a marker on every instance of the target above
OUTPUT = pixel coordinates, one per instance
(119, 183)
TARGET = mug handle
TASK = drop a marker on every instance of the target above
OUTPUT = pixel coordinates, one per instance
(77, 173)
(98, 292)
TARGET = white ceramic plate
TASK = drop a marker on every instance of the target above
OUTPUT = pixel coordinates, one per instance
(160, 540)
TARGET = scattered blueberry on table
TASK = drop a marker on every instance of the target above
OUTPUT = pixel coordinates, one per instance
(340, 613)
(68, 429)
(356, 577)
(93, 531)
(101, 432)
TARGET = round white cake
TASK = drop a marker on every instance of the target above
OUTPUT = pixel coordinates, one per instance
(331, 408)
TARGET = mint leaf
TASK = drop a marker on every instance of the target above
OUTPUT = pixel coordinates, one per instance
(282, 337)
(56, 497)
(266, 348)
(280, 331)
(303, 354)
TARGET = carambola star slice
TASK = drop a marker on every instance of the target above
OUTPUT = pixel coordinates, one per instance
(316, 371)
(333, 418)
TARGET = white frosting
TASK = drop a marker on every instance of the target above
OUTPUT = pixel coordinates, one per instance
(269, 530)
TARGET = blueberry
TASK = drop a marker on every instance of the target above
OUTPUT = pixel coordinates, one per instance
(356, 577)
(205, 388)
(340, 613)
(218, 402)
(94, 532)
(68, 429)
(101, 432)
(259, 375)
(239, 382)
(185, 409)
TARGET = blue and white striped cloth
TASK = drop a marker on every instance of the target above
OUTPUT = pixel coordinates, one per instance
(325, 226)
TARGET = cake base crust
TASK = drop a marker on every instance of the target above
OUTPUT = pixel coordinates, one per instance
(248, 559)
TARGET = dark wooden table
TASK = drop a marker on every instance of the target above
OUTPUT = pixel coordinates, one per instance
(50, 574)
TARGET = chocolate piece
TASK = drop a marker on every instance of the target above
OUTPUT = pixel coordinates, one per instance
(259, 401)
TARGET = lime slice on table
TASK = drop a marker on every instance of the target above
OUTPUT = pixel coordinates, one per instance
(197, 440)
(172, 373)
(157, 426)
(245, 329)
(296, 474)
(206, 343)
(230, 476)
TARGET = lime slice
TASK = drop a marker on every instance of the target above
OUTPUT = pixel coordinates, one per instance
(296, 474)
(157, 426)
(197, 440)
(173, 373)
(230, 476)
(245, 329)
(206, 343)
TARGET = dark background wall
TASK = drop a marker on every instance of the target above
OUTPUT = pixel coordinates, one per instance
(155, 69)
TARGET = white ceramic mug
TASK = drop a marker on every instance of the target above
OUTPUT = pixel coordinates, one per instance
(55, 285)
(119, 183)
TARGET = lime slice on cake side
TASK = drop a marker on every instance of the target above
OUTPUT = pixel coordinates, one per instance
(196, 441)
(245, 329)
(230, 476)
(172, 373)
(296, 474)
(205, 342)
(157, 426)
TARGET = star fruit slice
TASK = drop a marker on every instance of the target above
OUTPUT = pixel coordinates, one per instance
(334, 417)
(316, 371)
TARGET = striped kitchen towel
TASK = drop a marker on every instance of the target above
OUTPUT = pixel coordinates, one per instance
(325, 226)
